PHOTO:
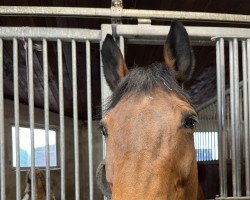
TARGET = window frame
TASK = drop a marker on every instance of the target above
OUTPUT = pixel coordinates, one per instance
(36, 126)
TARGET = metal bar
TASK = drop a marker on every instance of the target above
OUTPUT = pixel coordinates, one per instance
(209, 133)
(39, 33)
(228, 126)
(202, 134)
(220, 71)
(130, 32)
(245, 110)
(46, 116)
(212, 131)
(194, 32)
(223, 130)
(103, 86)
(247, 143)
(16, 102)
(206, 140)
(233, 198)
(31, 115)
(237, 118)
(75, 116)
(156, 41)
(122, 45)
(218, 75)
(105, 90)
(61, 113)
(2, 137)
(120, 13)
(232, 102)
(90, 140)
(213, 118)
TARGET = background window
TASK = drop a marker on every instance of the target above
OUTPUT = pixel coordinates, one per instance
(206, 146)
(39, 140)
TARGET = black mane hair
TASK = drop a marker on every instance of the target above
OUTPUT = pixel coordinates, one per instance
(143, 80)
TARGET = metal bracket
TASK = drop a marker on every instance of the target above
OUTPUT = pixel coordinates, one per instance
(116, 10)
(144, 21)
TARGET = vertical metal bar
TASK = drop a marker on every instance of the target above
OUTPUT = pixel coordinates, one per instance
(2, 137)
(227, 122)
(223, 132)
(232, 100)
(89, 100)
(206, 138)
(213, 114)
(122, 45)
(218, 76)
(16, 101)
(237, 118)
(245, 110)
(220, 68)
(210, 131)
(46, 116)
(198, 135)
(61, 113)
(247, 136)
(31, 116)
(103, 85)
(214, 130)
(202, 134)
(75, 116)
(105, 91)
(217, 130)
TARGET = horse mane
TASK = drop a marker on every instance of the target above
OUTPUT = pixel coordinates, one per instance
(144, 80)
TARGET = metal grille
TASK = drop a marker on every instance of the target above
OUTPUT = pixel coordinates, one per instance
(136, 34)
(47, 34)
(237, 110)
(208, 124)
(228, 114)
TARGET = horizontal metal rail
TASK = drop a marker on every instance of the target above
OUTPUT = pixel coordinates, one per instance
(232, 198)
(198, 42)
(36, 11)
(202, 33)
(51, 34)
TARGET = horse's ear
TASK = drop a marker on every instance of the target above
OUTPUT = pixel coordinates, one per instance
(178, 53)
(114, 66)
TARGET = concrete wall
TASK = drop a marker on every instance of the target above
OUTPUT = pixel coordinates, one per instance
(69, 153)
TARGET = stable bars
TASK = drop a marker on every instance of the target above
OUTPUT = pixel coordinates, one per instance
(88, 38)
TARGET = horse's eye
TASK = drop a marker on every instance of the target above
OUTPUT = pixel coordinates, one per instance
(190, 122)
(103, 130)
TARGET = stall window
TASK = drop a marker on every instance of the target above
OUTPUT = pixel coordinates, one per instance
(206, 146)
(39, 147)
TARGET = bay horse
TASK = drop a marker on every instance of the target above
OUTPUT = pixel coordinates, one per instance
(148, 125)
(40, 186)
